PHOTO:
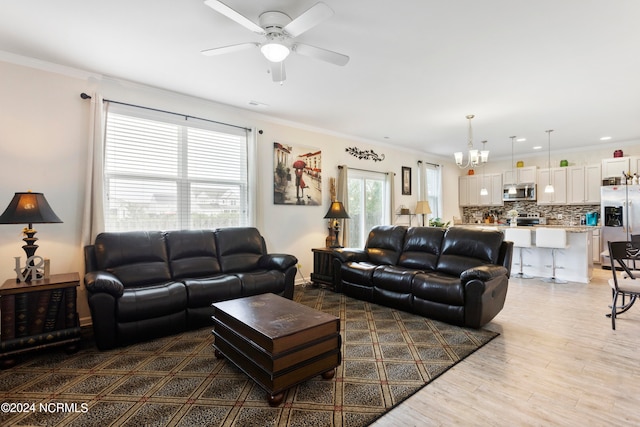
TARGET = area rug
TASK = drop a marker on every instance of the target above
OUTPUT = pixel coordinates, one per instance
(387, 355)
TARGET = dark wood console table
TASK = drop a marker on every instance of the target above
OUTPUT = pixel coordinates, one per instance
(38, 314)
(322, 267)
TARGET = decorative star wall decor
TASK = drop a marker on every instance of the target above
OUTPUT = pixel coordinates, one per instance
(365, 154)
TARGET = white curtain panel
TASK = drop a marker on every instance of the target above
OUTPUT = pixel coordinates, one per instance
(93, 215)
(342, 194)
(390, 180)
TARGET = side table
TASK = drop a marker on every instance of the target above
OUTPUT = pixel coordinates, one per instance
(38, 314)
(322, 267)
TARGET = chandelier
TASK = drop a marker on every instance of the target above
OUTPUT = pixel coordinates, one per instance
(475, 157)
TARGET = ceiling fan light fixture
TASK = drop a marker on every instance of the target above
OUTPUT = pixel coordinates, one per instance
(274, 51)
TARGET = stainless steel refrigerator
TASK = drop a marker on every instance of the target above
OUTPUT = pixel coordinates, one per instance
(619, 214)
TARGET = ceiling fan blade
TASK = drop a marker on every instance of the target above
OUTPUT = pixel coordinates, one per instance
(228, 49)
(309, 19)
(277, 72)
(234, 16)
(322, 54)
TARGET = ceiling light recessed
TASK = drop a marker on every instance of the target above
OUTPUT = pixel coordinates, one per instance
(605, 138)
(521, 139)
(537, 147)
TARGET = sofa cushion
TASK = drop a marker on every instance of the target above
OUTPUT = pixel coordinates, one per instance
(192, 253)
(360, 273)
(438, 287)
(239, 248)
(135, 257)
(464, 248)
(147, 302)
(393, 278)
(421, 247)
(392, 286)
(203, 291)
(384, 244)
(261, 282)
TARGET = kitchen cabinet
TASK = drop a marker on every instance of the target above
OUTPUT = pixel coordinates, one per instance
(615, 166)
(635, 165)
(583, 184)
(526, 175)
(469, 190)
(558, 178)
(595, 247)
(493, 183)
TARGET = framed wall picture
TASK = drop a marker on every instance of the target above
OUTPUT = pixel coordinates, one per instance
(406, 181)
(297, 175)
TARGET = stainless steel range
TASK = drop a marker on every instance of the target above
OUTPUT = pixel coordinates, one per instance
(528, 220)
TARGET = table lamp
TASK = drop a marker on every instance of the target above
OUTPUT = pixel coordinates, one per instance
(336, 211)
(29, 208)
(423, 208)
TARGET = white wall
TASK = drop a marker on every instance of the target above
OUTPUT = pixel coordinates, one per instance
(43, 147)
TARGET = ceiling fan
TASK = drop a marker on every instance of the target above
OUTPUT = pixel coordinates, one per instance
(280, 32)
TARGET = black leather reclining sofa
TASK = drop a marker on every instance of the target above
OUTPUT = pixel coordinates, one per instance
(459, 276)
(145, 284)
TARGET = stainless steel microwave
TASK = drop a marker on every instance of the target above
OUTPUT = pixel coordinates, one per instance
(522, 192)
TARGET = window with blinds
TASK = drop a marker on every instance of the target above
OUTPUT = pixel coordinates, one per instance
(166, 172)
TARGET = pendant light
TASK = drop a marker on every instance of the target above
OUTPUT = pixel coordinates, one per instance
(549, 187)
(512, 189)
(483, 190)
(475, 157)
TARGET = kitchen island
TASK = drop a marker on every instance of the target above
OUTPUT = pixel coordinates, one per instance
(574, 263)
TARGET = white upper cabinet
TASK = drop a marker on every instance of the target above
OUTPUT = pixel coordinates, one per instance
(526, 175)
(493, 183)
(558, 178)
(615, 166)
(469, 187)
(583, 184)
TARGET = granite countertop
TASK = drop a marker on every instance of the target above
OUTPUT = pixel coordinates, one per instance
(569, 228)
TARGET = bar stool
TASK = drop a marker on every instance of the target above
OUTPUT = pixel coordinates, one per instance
(554, 239)
(521, 238)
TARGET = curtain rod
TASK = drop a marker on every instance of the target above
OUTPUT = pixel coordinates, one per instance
(186, 116)
(432, 164)
(364, 170)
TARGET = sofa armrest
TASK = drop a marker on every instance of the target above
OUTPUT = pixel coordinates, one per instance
(483, 273)
(277, 261)
(350, 254)
(102, 281)
(484, 300)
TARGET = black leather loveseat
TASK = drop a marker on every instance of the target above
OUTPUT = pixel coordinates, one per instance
(145, 284)
(459, 276)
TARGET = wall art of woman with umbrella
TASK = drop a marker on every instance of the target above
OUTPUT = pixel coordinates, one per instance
(299, 166)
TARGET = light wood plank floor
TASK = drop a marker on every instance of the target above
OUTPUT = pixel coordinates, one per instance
(557, 362)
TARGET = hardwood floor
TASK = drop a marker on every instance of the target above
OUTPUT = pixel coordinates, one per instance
(557, 362)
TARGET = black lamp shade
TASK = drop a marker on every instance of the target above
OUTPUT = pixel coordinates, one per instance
(336, 210)
(28, 208)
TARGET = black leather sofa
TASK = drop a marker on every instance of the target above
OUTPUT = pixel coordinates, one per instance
(145, 284)
(459, 276)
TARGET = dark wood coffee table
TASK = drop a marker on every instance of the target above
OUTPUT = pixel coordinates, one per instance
(277, 342)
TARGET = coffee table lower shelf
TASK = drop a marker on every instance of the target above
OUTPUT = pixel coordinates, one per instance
(276, 383)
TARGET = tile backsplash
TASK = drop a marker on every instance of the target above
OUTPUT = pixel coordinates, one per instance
(555, 215)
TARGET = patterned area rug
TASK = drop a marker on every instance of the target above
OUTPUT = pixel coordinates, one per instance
(177, 381)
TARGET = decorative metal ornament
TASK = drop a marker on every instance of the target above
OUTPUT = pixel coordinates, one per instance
(365, 154)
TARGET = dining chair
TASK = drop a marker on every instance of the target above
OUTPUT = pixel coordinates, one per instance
(625, 282)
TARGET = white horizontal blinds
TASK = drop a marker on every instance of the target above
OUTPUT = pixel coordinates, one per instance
(164, 172)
